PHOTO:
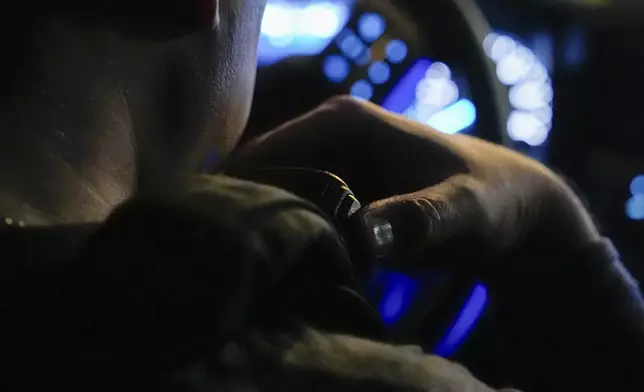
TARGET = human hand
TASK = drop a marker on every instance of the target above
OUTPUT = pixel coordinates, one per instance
(459, 203)
(431, 190)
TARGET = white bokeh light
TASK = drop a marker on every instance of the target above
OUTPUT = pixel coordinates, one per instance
(319, 20)
(530, 88)
(539, 137)
(278, 21)
(538, 72)
(514, 67)
(437, 92)
(439, 70)
(531, 95)
(526, 127)
(499, 46)
(544, 115)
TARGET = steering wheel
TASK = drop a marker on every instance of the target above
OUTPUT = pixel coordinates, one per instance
(418, 26)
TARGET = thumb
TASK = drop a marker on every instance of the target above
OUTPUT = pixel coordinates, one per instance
(442, 224)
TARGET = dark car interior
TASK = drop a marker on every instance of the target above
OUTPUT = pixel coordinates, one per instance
(556, 80)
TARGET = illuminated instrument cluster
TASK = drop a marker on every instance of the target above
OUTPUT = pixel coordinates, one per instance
(379, 66)
(530, 87)
(366, 56)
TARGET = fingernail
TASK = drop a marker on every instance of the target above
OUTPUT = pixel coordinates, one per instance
(395, 230)
(380, 235)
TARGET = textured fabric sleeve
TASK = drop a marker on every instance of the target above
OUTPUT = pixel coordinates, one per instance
(324, 362)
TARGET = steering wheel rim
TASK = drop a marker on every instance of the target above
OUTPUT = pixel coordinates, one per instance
(493, 111)
(465, 23)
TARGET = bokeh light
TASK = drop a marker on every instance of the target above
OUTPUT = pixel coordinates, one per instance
(336, 68)
(371, 26)
(637, 185)
(428, 94)
(379, 72)
(396, 51)
(530, 88)
(291, 28)
(635, 205)
(362, 89)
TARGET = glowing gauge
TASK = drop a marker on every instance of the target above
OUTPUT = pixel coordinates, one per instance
(427, 94)
(530, 88)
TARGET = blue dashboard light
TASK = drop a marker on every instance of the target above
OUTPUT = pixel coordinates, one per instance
(371, 26)
(637, 185)
(466, 320)
(455, 117)
(351, 45)
(336, 68)
(575, 47)
(635, 207)
(396, 51)
(403, 95)
(399, 291)
(404, 99)
(364, 58)
(379, 72)
(391, 307)
(362, 89)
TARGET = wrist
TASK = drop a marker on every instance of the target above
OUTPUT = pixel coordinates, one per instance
(562, 227)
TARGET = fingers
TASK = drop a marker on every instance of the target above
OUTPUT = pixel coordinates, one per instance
(371, 150)
(313, 140)
(443, 224)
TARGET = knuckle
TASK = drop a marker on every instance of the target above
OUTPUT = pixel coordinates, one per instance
(435, 209)
(344, 103)
(469, 200)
